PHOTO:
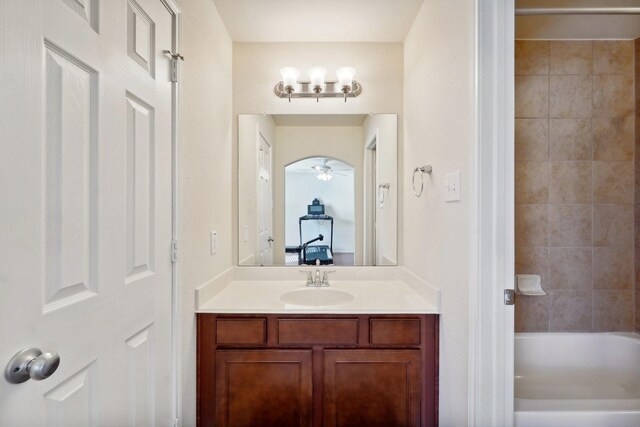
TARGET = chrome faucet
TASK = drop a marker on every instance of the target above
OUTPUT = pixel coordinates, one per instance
(317, 280)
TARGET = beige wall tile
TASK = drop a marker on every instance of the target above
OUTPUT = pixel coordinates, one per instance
(570, 139)
(532, 97)
(570, 97)
(613, 225)
(613, 57)
(637, 55)
(636, 256)
(613, 138)
(532, 182)
(532, 57)
(637, 173)
(570, 225)
(612, 311)
(532, 225)
(570, 57)
(532, 314)
(570, 182)
(534, 261)
(612, 268)
(637, 308)
(532, 136)
(636, 218)
(570, 269)
(612, 96)
(571, 311)
(613, 182)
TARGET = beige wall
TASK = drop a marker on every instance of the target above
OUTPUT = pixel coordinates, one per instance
(256, 70)
(575, 184)
(204, 170)
(438, 105)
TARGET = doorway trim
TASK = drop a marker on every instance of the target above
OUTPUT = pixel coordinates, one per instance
(369, 197)
(176, 312)
(491, 329)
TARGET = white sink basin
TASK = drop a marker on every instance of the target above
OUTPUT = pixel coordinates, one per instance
(316, 297)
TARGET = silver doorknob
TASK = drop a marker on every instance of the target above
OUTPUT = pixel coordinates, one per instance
(31, 363)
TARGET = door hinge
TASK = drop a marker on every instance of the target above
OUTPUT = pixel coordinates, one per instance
(174, 58)
(174, 251)
(509, 297)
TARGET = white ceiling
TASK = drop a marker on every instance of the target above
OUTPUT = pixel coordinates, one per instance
(318, 20)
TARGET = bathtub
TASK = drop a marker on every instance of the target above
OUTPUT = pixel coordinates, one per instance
(577, 380)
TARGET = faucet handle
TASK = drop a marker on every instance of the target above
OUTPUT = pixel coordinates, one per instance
(325, 277)
(309, 277)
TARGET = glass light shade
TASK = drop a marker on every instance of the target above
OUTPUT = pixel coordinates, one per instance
(289, 76)
(316, 75)
(345, 76)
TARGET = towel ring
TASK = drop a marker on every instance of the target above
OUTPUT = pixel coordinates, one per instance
(422, 170)
(381, 193)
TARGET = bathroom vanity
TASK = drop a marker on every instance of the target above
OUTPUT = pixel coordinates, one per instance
(317, 370)
(370, 359)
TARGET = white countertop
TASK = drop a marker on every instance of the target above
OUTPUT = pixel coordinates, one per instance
(238, 292)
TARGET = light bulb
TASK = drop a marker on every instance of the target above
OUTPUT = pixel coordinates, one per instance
(345, 79)
(289, 79)
(316, 75)
(289, 76)
(345, 76)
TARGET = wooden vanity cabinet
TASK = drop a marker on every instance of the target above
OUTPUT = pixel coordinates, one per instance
(317, 370)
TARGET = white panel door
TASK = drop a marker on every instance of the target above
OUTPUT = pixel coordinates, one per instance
(265, 201)
(85, 209)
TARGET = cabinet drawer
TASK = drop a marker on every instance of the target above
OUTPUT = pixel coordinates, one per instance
(394, 331)
(241, 331)
(318, 331)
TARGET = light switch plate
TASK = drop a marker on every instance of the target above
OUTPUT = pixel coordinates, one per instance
(214, 242)
(453, 189)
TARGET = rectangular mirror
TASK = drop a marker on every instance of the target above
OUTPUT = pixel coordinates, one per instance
(317, 189)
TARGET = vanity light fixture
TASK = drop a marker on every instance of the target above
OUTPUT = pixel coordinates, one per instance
(317, 87)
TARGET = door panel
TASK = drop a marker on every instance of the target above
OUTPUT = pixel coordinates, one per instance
(372, 388)
(267, 388)
(85, 219)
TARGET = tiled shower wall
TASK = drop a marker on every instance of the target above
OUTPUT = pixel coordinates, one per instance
(637, 186)
(575, 140)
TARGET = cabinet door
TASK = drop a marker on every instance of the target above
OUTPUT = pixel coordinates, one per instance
(371, 388)
(263, 388)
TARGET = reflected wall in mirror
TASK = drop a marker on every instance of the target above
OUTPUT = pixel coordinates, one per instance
(317, 189)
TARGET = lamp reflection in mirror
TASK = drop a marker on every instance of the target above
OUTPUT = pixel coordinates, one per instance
(317, 87)
(324, 176)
